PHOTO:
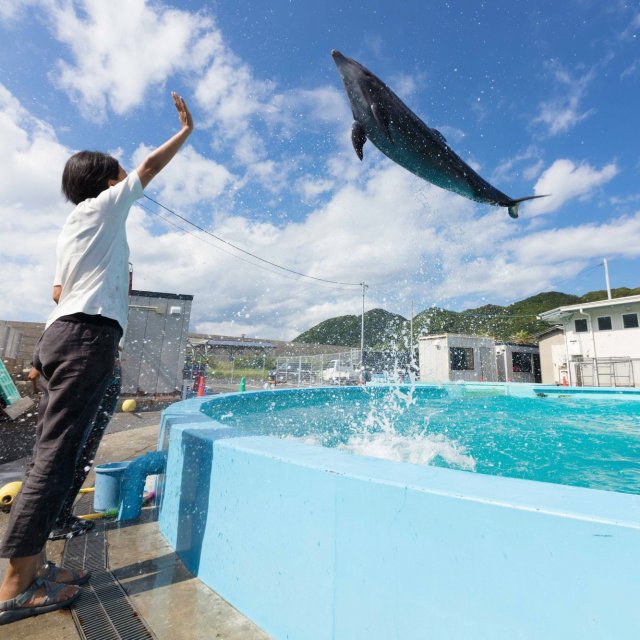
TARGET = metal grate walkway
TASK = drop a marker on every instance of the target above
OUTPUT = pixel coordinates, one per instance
(103, 611)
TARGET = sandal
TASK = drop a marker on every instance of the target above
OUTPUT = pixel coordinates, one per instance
(51, 573)
(12, 610)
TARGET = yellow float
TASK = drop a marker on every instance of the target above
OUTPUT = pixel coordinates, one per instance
(129, 405)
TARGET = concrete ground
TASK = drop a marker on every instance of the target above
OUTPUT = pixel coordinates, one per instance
(174, 604)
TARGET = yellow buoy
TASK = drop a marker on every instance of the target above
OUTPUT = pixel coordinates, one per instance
(129, 405)
(8, 494)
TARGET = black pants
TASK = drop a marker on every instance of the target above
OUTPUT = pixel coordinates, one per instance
(87, 455)
(76, 359)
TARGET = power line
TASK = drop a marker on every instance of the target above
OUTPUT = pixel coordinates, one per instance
(253, 255)
(218, 248)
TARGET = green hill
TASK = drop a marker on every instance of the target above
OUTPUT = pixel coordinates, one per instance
(381, 329)
(516, 321)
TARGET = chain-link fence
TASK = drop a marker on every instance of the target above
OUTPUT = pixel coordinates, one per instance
(332, 368)
(261, 371)
(345, 367)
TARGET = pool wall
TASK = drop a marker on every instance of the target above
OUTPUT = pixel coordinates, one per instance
(315, 543)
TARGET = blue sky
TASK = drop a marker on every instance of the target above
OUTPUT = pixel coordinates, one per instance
(539, 97)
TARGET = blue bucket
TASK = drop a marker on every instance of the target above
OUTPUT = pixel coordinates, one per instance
(107, 492)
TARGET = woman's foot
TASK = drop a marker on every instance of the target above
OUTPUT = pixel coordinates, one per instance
(41, 597)
(53, 573)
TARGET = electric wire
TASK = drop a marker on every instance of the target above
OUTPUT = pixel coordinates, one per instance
(233, 255)
(253, 255)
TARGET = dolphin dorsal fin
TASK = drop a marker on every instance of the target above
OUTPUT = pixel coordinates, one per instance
(438, 135)
(358, 138)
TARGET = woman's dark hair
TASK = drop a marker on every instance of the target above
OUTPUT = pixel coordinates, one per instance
(86, 175)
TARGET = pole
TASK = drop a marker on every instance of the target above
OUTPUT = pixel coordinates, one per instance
(411, 335)
(364, 288)
(606, 277)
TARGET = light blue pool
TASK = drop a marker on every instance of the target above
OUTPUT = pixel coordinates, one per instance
(519, 517)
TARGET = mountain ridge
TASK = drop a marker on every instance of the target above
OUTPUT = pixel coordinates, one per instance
(515, 322)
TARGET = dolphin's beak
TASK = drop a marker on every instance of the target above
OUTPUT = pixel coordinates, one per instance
(337, 56)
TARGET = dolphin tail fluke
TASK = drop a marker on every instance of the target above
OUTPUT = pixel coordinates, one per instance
(514, 205)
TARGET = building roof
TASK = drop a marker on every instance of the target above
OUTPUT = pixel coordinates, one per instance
(160, 294)
(242, 344)
(561, 313)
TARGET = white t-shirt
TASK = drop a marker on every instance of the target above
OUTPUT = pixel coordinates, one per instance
(92, 255)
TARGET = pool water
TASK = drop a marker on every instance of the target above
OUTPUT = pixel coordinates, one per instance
(575, 441)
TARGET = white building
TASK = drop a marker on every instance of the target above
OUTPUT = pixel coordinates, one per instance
(553, 363)
(601, 342)
(451, 357)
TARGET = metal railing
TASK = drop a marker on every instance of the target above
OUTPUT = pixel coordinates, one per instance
(605, 372)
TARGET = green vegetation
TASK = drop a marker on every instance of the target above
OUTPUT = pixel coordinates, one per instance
(245, 366)
(516, 322)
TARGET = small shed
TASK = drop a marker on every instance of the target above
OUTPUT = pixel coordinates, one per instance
(154, 345)
(452, 357)
(517, 362)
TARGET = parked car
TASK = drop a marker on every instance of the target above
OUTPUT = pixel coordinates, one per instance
(293, 372)
(339, 372)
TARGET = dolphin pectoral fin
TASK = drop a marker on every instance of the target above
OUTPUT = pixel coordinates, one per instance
(358, 138)
(380, 120)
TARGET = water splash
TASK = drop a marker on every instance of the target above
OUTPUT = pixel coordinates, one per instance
(421, 449)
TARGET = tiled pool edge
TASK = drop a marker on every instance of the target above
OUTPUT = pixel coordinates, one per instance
(315, 543)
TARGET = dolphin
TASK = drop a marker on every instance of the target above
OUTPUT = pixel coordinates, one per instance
(380, 116)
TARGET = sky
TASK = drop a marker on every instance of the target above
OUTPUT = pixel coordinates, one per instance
(539, 97)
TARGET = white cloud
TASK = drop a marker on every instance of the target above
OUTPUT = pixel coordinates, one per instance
(528, 163)
(564, 180)
(620, 237)
(122, 47)
(563, 112)
(31, 209)
(11, 9)
(189, 179)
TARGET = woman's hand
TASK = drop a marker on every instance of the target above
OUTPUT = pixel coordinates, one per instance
(157, 160)
(183, 111)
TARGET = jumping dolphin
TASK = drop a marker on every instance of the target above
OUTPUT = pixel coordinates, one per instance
(380, 116)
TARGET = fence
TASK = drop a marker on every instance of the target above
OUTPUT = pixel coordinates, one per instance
(225, 374)
(309, 370)
(606, 372)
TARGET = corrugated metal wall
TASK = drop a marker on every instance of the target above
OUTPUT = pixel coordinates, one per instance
(155, 343)
(10, 340)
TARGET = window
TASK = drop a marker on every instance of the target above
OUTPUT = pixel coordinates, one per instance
(521, 362)
(581, 325)
(630, 320)
(461, 359)
(604, 323)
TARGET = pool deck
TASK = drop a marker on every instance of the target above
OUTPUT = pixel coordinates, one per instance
(174, 604)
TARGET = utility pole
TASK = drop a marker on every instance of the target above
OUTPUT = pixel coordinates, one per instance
(606, 277)
(364, 288)
(411, 335)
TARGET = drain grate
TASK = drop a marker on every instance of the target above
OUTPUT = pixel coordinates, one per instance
(103, 611)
